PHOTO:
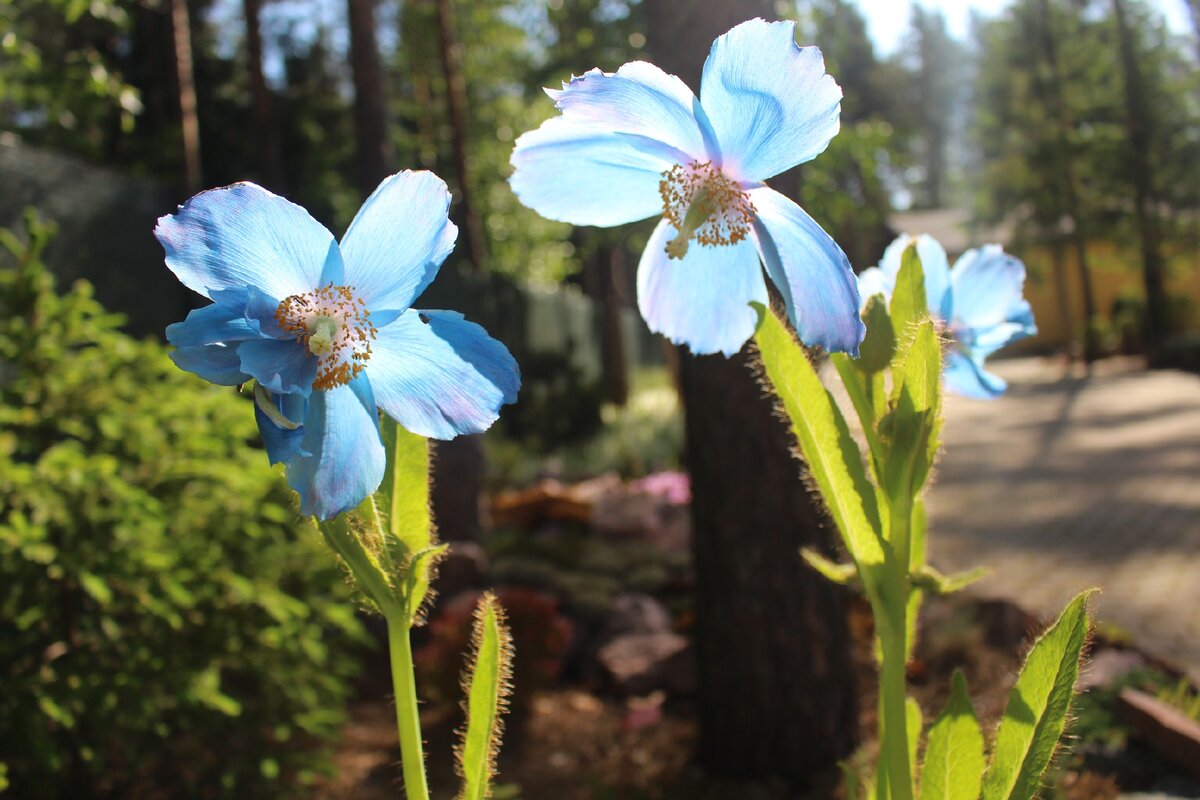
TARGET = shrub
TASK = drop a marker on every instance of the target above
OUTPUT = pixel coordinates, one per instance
(168, 627)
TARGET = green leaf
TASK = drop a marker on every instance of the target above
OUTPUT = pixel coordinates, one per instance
(487, 685)
(912, 425)
(95, 586)
(953, 768)
(825, 442)
(1037, 708)
(403, 499)
(879, 345)
(838, 573)
(931, 580)
(909, 305)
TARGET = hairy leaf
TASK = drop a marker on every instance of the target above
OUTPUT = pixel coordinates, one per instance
(1037, 708)
(487, 686)
(953, 768)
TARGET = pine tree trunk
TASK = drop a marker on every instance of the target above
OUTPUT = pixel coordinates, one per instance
(269, 157)
(456, 99)
(189, 121)
(1138, 122)
(776, 681)
(369, 118)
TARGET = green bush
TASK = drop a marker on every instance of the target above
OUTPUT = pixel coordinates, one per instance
(168, 627)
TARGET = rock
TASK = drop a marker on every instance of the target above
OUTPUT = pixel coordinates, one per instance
(1169, 731)
(636, 613)
(643, 516)
(639, 663)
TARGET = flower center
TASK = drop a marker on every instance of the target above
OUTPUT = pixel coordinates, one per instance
(703, 204)
(334, 326)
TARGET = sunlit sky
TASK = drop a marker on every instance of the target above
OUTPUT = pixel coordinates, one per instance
(888, 20)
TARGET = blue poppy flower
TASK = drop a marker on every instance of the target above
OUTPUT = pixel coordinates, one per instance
(978, 301)
(327, 331)
(637, 143)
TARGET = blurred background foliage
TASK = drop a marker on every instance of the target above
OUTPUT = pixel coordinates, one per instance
(167, 625)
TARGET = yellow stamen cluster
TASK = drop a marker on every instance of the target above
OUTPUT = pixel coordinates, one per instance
(704, 204)
(335, 326)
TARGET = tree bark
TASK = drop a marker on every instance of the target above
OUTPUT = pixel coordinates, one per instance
(189, 120)
(270, 161)
(1138, 124)
(456, 99)
(369, 119)
(776, 681)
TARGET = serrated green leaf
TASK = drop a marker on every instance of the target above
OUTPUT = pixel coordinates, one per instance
(825, 442)
(879, 345)
(1037, 708)
(953, 768)
(487, 685)
(838, 573)
(909, 304)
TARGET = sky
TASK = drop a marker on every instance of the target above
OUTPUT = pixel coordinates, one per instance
(888, 20)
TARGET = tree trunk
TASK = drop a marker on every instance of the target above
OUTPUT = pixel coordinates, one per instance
(776, 681)
(603, 272)
(189, 121)
(369, 120)
(1139, 123)
(269, 158)
(1055, 99)
(456, 99)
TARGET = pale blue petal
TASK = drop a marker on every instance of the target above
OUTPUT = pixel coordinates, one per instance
(810, 271)
(873, 281)
(211, 324)
(214, 363)
(281, 366)
(987, 287)
(575, 174)
(934, 264)
(283, 444)
(242, 235)
(399, 238)
(982, 342)
(701, 300)
(440, 376)
(967, 378)
(771, 102)
(346, 457)
(641, 100)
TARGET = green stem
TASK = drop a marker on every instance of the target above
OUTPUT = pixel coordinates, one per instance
(894, 722)
(408, 720)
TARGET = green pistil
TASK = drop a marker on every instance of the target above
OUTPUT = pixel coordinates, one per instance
(321, 333)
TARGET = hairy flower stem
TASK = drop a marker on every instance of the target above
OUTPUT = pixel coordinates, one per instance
(894, 721)
(408, 720)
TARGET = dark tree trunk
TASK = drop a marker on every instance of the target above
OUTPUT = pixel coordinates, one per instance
(456, 99)
(1055, 101)
(267, 134)
(777, 685)
(603, 272)
(189, 121)
(369, 120)
(1139, 123)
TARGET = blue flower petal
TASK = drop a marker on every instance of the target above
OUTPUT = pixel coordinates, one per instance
(982, 342)
(640, 100)
(398, 239)
(346, 461)
(440, 376)
(214, 363)
(281, 366)
(283, 444)
(935, 264)
(771, 102)
(701, 300)
(873, 281)
(966, 377)
(810, 271)
(572, 173)
(211, 324)
(987, 287)
(243, 235)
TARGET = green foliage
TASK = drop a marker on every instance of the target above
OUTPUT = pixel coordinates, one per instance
(487, 685)
(166, 623)
(953, 766)
(1037, 708)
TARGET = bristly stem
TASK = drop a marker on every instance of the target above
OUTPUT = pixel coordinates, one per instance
(408, 720)
(893, 728)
